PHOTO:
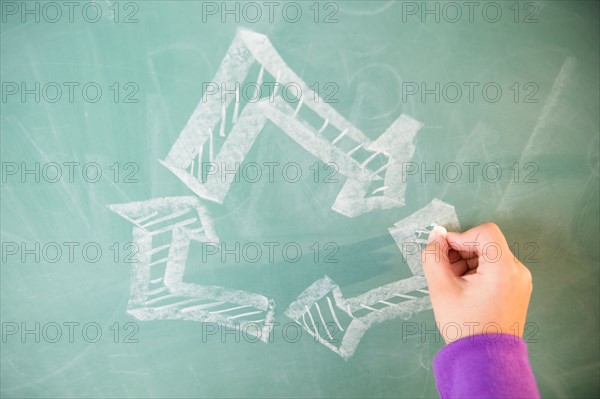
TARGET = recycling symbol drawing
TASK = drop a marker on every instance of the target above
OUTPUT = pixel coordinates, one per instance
(220, 132)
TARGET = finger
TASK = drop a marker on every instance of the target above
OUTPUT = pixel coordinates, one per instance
(473, 242)
(472, 263)
(459, 267)
(454, 256)
(462, 266)
(436, 265)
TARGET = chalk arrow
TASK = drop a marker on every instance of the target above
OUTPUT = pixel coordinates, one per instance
(373, 168)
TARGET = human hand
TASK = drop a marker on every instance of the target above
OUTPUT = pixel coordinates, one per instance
(476, 284)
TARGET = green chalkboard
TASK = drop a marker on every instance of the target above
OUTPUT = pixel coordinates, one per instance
(228, 199)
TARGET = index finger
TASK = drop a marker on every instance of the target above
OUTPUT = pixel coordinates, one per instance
(471, 243)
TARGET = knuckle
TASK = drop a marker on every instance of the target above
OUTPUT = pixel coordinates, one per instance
(493, 234)
(492, 227)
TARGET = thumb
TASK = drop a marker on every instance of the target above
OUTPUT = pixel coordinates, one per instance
(436, 263)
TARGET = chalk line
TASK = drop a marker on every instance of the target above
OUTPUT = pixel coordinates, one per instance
(248, 49)
(567, 69)
(182, 231)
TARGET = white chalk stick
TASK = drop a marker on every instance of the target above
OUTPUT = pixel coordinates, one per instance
(440, 229)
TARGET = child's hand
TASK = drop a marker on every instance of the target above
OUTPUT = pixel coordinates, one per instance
(476, 284)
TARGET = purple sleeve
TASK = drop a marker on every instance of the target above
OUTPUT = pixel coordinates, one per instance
(485, 366)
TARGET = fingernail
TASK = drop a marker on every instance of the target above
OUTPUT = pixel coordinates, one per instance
(437, 232)
(440, 229)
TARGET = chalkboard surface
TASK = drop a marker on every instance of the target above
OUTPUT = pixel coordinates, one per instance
(228, 199)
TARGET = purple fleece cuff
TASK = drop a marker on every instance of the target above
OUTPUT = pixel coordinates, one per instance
(485, 366)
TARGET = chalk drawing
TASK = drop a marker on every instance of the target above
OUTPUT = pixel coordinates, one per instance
(407, 232)
(164, 228)
(157, 290)
(362, 161)
(402, 298)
